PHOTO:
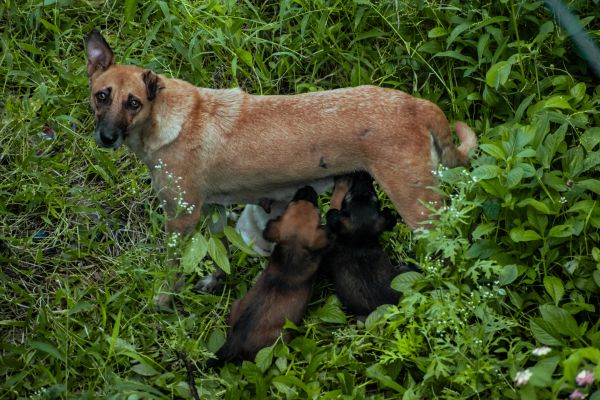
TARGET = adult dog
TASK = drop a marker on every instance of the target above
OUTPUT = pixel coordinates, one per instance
(226, 146)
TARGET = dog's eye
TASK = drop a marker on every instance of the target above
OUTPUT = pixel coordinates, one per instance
(101, 97)
(133, 104)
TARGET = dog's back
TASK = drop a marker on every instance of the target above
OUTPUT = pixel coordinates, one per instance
(357, 264)
(283, 289)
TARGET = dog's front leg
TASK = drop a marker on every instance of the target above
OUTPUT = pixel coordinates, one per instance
(180, 223)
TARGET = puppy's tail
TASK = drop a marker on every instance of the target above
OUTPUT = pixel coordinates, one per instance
(441, 137)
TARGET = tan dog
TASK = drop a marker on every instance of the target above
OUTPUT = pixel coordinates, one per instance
(226, 146)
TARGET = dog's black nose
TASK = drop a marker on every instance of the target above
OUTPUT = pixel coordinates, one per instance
(307, 193)
(108, 139)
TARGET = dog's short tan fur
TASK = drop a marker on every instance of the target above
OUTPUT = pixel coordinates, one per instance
(228, 146)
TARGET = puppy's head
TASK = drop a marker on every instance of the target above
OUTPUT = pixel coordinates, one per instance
(299, 224)
(121, 95)
(359, 217)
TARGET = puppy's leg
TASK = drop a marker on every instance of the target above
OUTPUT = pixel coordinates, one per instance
(342, 186)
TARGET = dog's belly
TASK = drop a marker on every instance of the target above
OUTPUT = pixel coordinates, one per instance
(280, 193)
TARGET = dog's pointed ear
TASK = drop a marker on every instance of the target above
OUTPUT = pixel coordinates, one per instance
(99, 54)
(153, 84)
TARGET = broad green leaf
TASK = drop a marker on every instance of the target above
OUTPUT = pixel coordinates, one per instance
(513, 178)
(264, 358)
(194, 252)
(559, 101)
(331, 312)
(498, 74)
(527, 153)
(543, 370)
(482, 230)
(405, 281)
(456, 55)
(457, 31)
(495, 151)
(485, 172)
(245, 56)
(49, 349)
(590, 138)
(218, 252)
(592, 185)
(130, 10)
(215, 340)
(519, 234)
(583, 206)
(538, 205)
(596, 276)
(561, 231)
(144, 369)
(578, 91)
(379, 373)
(560, 320)
(234, 237)
(543, 333)
(508, 275)
(554, 287)
(437, 32)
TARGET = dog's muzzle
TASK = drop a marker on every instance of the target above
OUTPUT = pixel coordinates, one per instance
(108, 138)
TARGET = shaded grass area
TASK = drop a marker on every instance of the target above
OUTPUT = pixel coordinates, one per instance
(83, 253)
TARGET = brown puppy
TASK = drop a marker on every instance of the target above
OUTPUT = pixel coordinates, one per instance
(226, 146)
(283, 289)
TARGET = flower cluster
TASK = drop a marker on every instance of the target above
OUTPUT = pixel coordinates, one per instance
(175, 183)
(522, 377)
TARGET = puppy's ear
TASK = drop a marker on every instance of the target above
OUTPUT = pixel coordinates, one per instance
(153, 84)
(99, 54)
(271, 232)
(333, 217)
(386, 221)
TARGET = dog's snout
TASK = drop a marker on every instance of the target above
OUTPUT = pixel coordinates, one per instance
(108, 139)
(107, 136)
(306, 193)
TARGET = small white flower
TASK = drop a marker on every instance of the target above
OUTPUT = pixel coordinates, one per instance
(541, 351)
(522, 377)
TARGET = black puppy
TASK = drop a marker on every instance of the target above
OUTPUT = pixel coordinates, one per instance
(283, 289)
(357, 264)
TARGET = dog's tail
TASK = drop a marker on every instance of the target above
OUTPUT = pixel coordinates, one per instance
(441, 136)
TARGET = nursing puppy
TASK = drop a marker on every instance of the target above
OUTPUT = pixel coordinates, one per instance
(357, 264)
(283, 289)
(228, 147)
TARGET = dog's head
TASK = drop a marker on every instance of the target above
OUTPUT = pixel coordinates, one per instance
(359, 218)
(121, 95)
(300, 223)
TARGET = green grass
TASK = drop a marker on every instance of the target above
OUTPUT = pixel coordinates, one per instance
(512, 264)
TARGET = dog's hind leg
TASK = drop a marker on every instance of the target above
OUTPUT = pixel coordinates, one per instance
(409, 193)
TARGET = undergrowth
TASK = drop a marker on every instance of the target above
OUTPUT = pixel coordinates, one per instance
(505, 304)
